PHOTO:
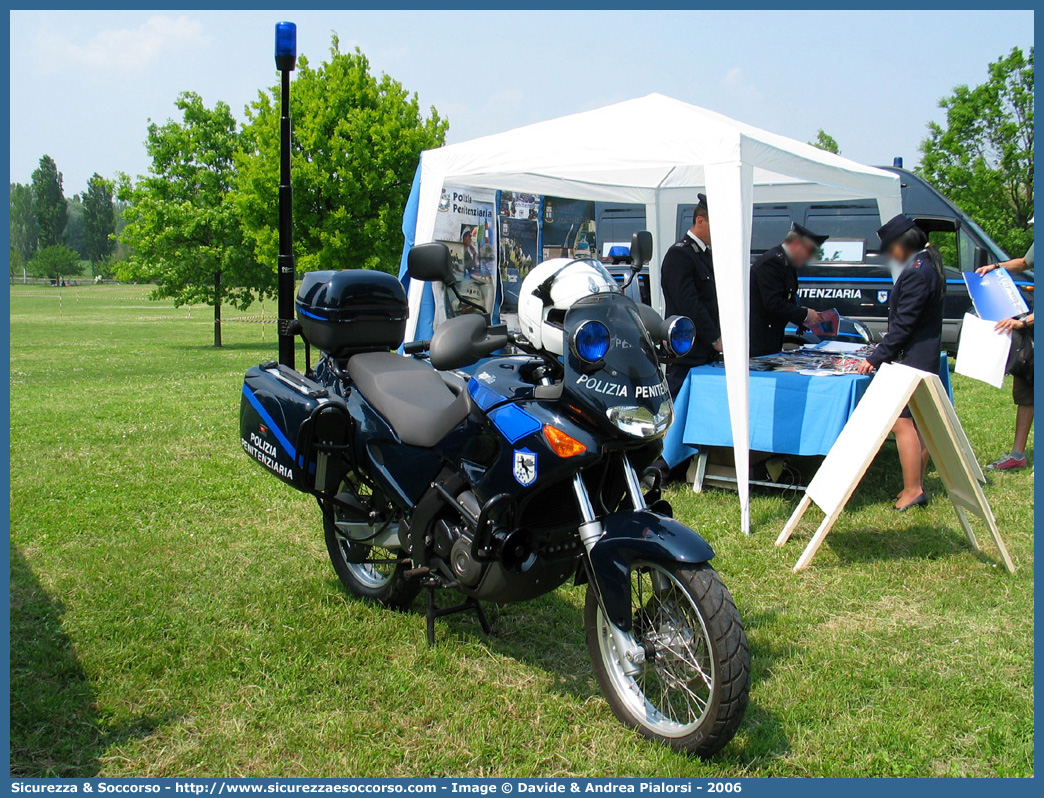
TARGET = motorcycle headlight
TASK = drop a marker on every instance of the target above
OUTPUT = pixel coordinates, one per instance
(591, 341)
(640, 421)
(680, 335)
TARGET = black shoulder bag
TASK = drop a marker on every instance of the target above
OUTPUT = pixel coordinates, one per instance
(1020, 357)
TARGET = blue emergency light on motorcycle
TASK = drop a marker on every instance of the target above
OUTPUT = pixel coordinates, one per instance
(285, 45)
(591, 341)
(680, 335)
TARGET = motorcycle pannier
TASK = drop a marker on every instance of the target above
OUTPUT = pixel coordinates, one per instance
(351, 311)
(294, 428)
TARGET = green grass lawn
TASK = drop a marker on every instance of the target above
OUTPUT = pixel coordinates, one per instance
(174, 614)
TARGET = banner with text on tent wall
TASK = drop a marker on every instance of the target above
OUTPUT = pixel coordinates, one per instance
(466, 224)
(519, 243)
(569, 228)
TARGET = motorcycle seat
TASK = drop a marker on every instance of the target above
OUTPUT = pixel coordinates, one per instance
(410, 394)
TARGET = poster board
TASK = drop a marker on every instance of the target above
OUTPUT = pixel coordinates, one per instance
(519, 253)
(994, 295)
(982, 352)
(891, 390)
(466, 223)
(518, 205)
(569, 228)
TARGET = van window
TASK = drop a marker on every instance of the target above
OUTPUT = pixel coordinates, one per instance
(768, 231)
(616, 225)
(946, 242)
(965, 250)
(846, 225)
(994, 252)
(685, 213)
(842, 250)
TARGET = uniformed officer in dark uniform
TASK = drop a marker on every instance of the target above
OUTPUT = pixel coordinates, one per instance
(914, 337)
(773, 290)
(687, 279)
(915, 307)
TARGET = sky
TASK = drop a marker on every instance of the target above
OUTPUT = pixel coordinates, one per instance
(85, 84)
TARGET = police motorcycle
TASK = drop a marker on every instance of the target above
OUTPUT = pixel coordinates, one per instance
(505, 483)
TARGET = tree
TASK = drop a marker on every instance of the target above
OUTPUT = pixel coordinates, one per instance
(99, 219)
(181, 223)
(982, 157)
(356, 143)
(49, 207)
(121, 250)
(73, 236)
(17, 264)
(23, 221)
(825, 141)
(56, 262)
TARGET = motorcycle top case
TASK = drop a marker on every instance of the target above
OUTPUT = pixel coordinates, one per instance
(351, 311)
(294, 428)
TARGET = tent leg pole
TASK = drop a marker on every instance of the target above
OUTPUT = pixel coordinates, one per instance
(794, 520)
(700, 474)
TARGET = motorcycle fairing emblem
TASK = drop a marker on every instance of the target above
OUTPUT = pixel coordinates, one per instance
(525, 469)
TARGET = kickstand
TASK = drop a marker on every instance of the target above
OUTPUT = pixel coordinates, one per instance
(470, 603)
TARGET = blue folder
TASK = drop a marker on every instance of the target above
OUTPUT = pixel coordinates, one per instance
(994, 295)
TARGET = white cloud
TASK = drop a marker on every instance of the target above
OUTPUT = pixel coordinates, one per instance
(738, 90)
(120, 48)
(734, 77)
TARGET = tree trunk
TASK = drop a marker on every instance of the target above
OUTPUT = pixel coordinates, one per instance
(217, 308)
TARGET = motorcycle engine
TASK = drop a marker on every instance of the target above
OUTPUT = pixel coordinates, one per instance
(452, 545)
(446, 534)
(465, 567)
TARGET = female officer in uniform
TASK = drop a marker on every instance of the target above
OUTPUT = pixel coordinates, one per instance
(914, 337)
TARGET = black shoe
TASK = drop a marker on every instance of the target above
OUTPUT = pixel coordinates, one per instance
(920, 501)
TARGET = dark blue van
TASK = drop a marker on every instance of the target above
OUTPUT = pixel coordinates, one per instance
(853, 277)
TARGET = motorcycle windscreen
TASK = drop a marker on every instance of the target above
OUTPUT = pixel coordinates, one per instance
(624, 388)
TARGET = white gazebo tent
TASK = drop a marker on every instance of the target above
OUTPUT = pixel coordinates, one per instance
(660, 152)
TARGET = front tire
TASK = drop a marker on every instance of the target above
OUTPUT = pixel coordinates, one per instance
(692, 689)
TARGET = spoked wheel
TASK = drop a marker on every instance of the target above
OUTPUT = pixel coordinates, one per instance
(691, 690)
(365, 568)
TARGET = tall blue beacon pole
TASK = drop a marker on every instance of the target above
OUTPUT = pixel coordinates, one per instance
(286, 60)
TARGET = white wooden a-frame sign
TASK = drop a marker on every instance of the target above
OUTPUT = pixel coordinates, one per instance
(892, 389)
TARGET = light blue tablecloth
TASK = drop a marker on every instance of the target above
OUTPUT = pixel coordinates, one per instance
(790, 413)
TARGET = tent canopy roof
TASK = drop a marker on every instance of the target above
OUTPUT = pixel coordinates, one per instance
(647, 149)
(657, 152)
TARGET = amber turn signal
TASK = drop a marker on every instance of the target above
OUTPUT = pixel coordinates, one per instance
(563, 445)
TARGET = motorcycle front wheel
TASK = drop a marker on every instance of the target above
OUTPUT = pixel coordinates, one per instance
(691, 690)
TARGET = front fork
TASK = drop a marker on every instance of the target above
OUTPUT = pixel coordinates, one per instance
(590, 532)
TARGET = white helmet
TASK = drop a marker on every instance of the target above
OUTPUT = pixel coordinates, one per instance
(549, 290)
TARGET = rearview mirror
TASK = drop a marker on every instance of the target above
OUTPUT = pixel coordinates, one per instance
(464, 340)
(641, 249)
(981, 257)
(431, 263)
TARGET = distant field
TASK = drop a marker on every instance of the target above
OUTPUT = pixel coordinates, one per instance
(174, 613)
